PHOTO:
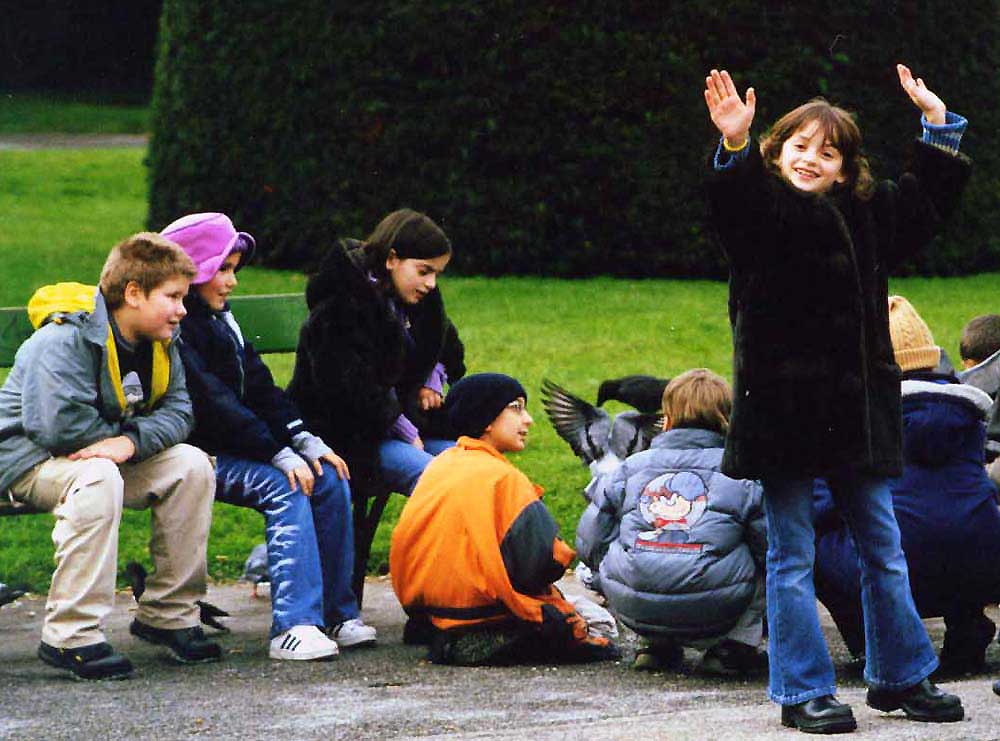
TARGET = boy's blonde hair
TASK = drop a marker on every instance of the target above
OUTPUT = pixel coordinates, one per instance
(698, 398)
(146, 258)
(838, 127)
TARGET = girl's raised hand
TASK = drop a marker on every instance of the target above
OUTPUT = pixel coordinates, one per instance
(932, 106)
(731, 116)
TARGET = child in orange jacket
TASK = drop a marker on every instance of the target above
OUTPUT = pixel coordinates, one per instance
(475, 553)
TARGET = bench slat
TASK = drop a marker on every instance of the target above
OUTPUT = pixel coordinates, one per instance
(271, 322)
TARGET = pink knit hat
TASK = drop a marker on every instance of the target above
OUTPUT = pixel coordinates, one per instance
(208, 239)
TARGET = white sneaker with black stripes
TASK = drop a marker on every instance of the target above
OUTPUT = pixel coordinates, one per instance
(351, 633)
(302, 643)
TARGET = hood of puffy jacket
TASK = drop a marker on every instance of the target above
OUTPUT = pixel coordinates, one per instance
(941, 420)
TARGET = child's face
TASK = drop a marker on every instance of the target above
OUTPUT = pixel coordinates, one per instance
(414, 278)
(157, 314)
(508, 433)
(215, 291)
(809, 161)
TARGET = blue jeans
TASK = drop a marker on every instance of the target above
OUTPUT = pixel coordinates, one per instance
(899, 653)
(401, 463)
(310, 540)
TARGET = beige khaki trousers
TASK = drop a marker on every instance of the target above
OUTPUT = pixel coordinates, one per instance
(86, 497)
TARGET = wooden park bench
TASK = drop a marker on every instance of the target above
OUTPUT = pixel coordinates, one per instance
(271, 323)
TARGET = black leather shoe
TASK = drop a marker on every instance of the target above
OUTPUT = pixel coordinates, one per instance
(923, 701)
(93, 662)
(996, 687)
(824, 714)
(188, 645)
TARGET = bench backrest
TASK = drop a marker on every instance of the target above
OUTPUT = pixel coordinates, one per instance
(271, 322)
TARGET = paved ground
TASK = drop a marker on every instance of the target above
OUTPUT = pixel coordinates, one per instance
(391, 692)
(71, 141)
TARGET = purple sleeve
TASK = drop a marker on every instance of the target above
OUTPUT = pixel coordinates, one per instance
(403, 429)
(437, 379)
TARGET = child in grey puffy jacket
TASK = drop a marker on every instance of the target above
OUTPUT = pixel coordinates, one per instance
(677, 547)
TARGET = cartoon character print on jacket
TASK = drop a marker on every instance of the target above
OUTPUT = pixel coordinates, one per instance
(671, 504)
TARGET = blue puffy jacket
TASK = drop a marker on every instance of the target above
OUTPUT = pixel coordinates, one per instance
(945, 504)
(679, 545)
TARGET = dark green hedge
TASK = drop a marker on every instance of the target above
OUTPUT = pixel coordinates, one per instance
(562, 138)
(97, 46)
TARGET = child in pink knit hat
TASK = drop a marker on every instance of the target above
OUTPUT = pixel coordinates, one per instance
(266, 459)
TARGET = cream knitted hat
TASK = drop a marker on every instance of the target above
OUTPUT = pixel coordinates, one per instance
(912, 341)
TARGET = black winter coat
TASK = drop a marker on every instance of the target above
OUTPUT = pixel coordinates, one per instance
(355, 372)
(816, 388)
(238, 409)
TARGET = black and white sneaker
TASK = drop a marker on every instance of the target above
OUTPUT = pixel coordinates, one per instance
(302, 643)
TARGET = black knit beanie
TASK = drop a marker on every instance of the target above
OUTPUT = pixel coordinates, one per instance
(475, 401)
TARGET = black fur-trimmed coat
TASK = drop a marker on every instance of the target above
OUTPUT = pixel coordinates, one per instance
(816, 388)
(354, 371)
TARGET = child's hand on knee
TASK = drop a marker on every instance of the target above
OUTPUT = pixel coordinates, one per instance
(428, 398)
(302, 476)
(930, 104)
(334, 460)
(118, 449)
(731, 116)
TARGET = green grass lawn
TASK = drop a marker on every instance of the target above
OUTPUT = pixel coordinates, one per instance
(29, 113)
(66, 209)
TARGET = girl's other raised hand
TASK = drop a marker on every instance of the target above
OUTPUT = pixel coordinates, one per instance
(730, 114)
(930, 104)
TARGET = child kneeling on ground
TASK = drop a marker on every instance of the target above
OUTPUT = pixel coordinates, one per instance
(92, 419)
(265, 457)
(678, 546)
(475, 553)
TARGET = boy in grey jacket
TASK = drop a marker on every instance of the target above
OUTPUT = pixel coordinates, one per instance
(92, 417)
(678, 547)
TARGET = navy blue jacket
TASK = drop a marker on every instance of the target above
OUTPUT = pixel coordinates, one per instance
(945, 504)
(238, 408)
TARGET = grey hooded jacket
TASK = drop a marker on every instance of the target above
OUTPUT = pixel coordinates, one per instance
(59, 398)
(679, 546)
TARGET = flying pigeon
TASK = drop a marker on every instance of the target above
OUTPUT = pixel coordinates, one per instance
(208, 613)
(600, 441)
(255, 570)
(645, 393)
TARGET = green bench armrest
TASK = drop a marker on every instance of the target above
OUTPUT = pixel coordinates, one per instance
(271, 322)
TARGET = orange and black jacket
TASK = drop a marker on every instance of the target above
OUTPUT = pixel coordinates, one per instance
(475, 544)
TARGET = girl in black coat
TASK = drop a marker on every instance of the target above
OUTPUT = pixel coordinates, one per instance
(810, 240)
(377, 348)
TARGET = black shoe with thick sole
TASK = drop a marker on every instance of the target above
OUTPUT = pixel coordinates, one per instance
(730, 658)
(923, 701)
(824, 714)
(188, 645)
(94, 662)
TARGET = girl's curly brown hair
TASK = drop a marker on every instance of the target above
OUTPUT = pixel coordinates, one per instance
(838, 127)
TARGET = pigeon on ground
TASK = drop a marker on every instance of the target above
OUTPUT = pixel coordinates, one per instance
(208, 613)
(600, 441)
(9, 594)
(255, 570)
(642, 392)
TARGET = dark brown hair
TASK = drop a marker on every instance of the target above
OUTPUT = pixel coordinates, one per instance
(839, 128)
(410, 234)
(980, 338)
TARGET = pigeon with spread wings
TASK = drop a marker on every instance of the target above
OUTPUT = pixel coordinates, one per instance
(601, 442)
